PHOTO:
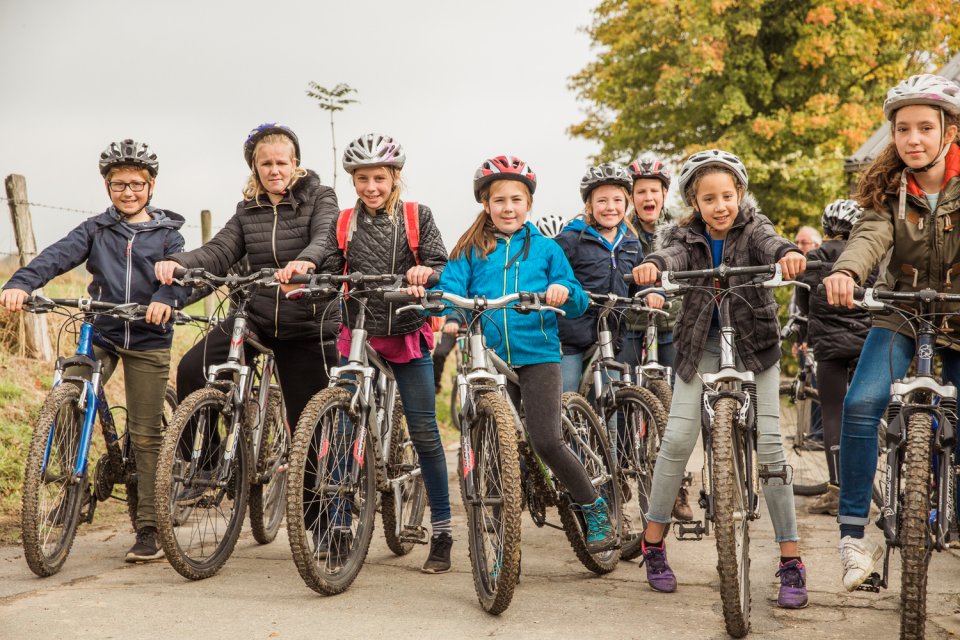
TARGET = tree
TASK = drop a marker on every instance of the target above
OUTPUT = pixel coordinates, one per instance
(792, 86)
(332, 100)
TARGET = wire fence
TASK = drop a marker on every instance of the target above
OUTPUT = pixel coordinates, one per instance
(72, 210)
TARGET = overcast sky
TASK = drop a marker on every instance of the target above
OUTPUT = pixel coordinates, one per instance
(454, 82)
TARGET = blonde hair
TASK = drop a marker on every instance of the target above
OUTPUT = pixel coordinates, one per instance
(690, 194)
(481, 239)
(254, 189)
(588, 209)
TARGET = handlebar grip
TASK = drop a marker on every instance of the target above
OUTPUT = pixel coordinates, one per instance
(432, 280)
(628, 278)
(399, 297)
(857, 291)
(815, 265)
(300, 278)
(179, 272)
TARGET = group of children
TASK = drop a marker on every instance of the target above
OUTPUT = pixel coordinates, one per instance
(289, 221)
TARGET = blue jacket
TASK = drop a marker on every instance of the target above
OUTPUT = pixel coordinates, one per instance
(599, 269)
(120, 257)
(527, 261)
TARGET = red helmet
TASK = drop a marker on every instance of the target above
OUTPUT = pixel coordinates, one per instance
(649, 166)
(503, 168)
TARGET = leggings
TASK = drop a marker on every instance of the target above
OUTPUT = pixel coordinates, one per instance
(832, 384)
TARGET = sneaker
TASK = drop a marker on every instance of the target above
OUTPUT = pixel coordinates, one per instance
(681, 507)
(439, 559)
(146, 547)
(793, 585)
(340, 541)
(659, 575)
(597, 519)
(826, 503)
(858, 556)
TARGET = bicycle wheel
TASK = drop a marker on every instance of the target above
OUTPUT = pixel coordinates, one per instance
(52, 495)
(455, 405)
(268, 495)
(583, 432)
(201, 495)
(805, 456)
(664, 393)
(730, 520)
(492, 501)
(402, 461)
(331, 493)
(915, 535)
(643, 421)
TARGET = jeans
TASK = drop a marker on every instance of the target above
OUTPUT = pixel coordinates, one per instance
(682, 431)
(886, 357)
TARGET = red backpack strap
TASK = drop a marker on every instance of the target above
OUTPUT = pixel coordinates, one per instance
(411, 220)
(344, 232)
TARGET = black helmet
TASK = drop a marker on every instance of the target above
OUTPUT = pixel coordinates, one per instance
(128, 152)
(266, 129)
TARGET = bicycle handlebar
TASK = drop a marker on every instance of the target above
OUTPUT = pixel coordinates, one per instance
(723, 273)
(195, 277)
(612, 299)
(871, 298)
(325, 283)
(440, 300)
(124, 311)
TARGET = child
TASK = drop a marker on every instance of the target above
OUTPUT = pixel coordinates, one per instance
(503, 253)
(380, 242)
(725, 227)
(910, 196)
(119, 247)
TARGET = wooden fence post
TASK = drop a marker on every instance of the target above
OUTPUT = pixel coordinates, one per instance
(36, 337)
(206, 232)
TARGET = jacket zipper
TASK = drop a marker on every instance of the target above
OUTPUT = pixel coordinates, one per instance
(273, 247)
(506, 331)
(393, 266)
(126, 293)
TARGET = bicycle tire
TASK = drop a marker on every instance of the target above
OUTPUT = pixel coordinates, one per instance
(809, 462)
(195, 544)
(644, 420)
(268, 499)
(51, 501)
(915, 526)
(494, 559)
(664, 393)
(316, 457)
(455, 405)
(402, 458)
(729, 499)
(580, 418)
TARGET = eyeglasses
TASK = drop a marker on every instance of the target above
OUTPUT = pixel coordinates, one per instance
(120, 187)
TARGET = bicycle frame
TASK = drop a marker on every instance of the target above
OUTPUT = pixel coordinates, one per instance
(651, 367)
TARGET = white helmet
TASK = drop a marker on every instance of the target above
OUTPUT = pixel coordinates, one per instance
(926, 88)
(373, 150)
(550, 225)
(710, 157)
(839, 217)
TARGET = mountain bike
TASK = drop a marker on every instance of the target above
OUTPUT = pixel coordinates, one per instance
(58, 492)
(731, 474)
(351, 453)
(650, 374)
(919, 494)
(494, 446)
(226, 445)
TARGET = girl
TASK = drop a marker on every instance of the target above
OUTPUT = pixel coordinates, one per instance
(836, 336)
(502, 253)
(725, 227)
(910, 197)
(380, 242)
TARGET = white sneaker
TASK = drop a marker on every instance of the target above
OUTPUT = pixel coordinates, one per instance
(858, 556)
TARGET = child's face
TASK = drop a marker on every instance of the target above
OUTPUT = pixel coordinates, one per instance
(648, 199)
(718, 202)
(916, 133)
(129, 202)
(275, 166)
(608, 203)
(373, 185)
(508, 205)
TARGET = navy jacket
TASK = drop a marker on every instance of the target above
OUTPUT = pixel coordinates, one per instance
(599, 270)
(120, 257)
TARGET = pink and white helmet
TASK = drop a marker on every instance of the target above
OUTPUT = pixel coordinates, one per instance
(925, 88)
(650, 166)
(373, 150)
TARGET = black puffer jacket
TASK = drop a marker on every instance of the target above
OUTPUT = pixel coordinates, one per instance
(834, 332)
(751, 241)
(379, 245)
(271, 236)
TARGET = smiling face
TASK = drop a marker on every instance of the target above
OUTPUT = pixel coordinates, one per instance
(128, 202)
(718, 201)
(374, 186)
(608, 203)
(507, 205)
(917, 135)
(648, 201)
(275, 163)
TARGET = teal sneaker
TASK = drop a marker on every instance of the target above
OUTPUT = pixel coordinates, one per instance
(597, 518)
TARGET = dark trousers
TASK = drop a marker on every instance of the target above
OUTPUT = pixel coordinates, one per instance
(832, 383)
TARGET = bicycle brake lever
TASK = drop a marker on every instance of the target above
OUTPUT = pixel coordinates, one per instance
(777, 279)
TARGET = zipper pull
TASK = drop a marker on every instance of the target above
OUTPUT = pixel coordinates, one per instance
(129, 247)
(920, 226)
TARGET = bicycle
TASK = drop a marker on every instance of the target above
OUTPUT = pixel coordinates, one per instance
(731, 475)
(919, 494)
(650, 374)
(493, 442)
(799, 417)
(56, 483)
(226, 445)
(351, 452)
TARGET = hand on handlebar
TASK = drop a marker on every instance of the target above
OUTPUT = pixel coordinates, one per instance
(646, 273)
(417, 279)
(792, 265)
(654, 300)
(839, 288)
(158, 313)
(293, 267)
(164, 270)
(451, 327)
(12, 299)
(557, 295)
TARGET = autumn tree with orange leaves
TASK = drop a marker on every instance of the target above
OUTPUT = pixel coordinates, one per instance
(792, 86)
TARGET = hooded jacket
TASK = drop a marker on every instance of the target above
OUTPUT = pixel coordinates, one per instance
(120, 256)
(751, 241)
(525, 261)
(637, 322)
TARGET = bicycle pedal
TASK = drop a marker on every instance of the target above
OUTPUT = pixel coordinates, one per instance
(785, 474)
(692, 530)
(415, 535)
(871, 584)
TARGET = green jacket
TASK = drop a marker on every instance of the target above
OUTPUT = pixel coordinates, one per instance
(918, 252)
(637, 322)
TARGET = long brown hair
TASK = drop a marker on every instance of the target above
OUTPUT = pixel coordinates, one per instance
(480, 239)
(883, 174)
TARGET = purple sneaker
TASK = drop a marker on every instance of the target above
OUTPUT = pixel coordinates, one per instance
(659, 575)
(793, 585)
